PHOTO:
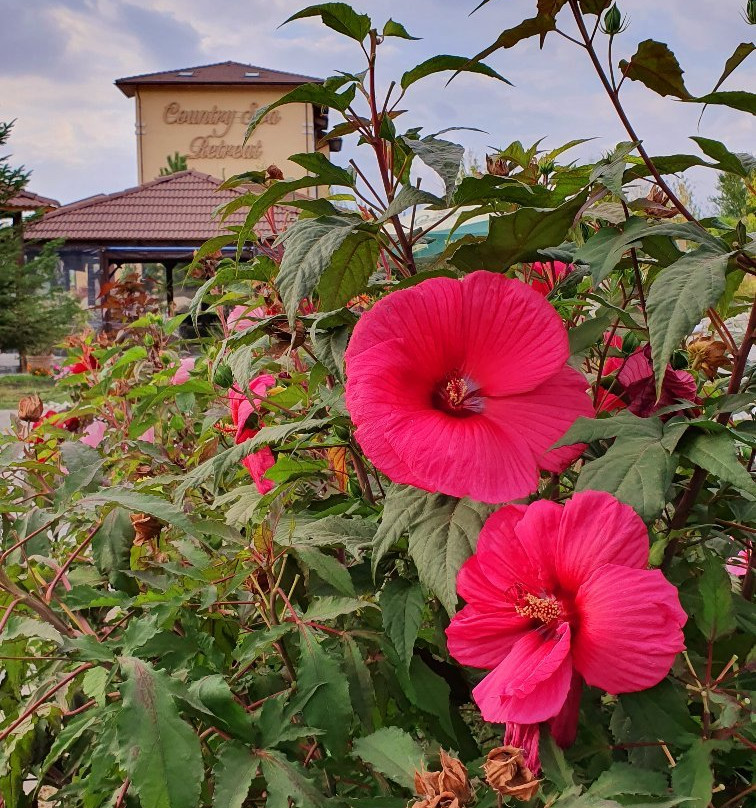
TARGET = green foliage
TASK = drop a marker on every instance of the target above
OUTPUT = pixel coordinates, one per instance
(181, 629)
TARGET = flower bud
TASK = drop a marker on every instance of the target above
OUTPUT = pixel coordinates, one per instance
(750, 12)
(612, 21)
(30, 408)
(274, 172)
(507, 773)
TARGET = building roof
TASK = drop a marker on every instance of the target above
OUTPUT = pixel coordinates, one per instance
(219, 73)
(174, 209)
(26, 200)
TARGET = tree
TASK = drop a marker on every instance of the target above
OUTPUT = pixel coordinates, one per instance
(12, 180)
(35, 312)
(734, 198)
(175, 162)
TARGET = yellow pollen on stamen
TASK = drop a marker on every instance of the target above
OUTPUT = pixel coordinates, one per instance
(456, 390)
(543, 609)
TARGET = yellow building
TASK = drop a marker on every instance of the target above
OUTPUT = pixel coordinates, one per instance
(202, 114)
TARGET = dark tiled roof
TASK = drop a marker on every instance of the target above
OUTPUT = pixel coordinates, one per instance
(176, 208)
(26, 200)
(219, 73)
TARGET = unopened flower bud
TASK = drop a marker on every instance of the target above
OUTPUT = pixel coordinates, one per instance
(30, 408)
(274, 172)
(612, 21)
(507, 773)
(750, 12)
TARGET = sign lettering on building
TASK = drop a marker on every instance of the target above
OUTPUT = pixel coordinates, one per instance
(212, 145)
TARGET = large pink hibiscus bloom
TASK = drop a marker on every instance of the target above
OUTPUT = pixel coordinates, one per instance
(558, 595)
(462, 386)
(545, 275)
(244, 414)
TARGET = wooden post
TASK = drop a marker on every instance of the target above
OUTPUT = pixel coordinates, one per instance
(169, 266)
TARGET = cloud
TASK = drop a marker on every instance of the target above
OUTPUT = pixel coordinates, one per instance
(75, 130)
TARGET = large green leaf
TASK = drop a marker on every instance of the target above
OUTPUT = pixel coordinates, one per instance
(538, 26)
(111, 549)
(442, 530)
(402, 606)
(286, 781)
(713, 613)
(636, 470)
(604, 250)
(443, 156)
(340, 17)
(312, 93)
(213, 696)
(310, 247)
(159, 751)
(692, 776)
(329, 708)
(726, 160)
(716, 452)
(622, 778)
(83, 464)
(678, 299)
(442, 63)
(656, 66)
(736, 99)
(348, 270)
(514, 237)
(392, 752)
(233, 773)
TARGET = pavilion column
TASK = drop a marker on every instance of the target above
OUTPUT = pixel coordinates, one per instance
(169, 267)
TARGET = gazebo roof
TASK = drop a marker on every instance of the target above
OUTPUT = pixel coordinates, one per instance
(26, 200)
(174, 209)
(218, 73)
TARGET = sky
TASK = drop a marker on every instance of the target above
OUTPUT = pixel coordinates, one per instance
(75, 131)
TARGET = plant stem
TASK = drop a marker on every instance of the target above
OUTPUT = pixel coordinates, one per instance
(614, 98)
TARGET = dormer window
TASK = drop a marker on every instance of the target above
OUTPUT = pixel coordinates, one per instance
(185, 73)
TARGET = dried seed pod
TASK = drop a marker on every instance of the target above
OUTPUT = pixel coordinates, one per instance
(507, 773)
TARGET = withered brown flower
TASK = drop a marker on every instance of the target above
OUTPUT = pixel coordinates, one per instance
(497, 166)
(507, 773)
(30, 408)
(147, 528)
(449, 788)
(708, 355)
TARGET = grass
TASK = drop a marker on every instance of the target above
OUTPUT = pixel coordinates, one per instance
(14, 386)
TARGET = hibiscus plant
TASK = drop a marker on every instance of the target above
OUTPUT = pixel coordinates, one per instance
(406, 527)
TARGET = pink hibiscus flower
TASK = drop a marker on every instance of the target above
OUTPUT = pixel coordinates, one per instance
(462, 386)
(244, 414)
(185, 367)
(738, 564)
(544, 276)
(242, 317)
(94, 433)
(636, 376)
(557, 596)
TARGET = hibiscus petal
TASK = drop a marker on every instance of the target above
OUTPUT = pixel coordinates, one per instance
(483, 639)
(502, 558)
(531, 684)
(257, 464)
(564, 725)
(630, 623)
(597, 529)
(479, 590)
(537, 532)
(514, 339)
(542, 416)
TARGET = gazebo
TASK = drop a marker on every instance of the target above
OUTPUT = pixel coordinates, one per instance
(162, 222)
(24, 201)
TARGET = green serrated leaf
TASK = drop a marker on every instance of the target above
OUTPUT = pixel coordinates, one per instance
(402, 605)
(518, 236)
(159, 751)
(327, 568)
(392, 752)
(657, 67)
(443, 156)
(329, 708)
(622, 778)
(443, 63)
(714, 614)
(692, 776)
(636, 470)
(716, 453)
(233, 774)
(286, 781)
(678, 299)
(348, 270)
(340, 17)
(392, 28)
